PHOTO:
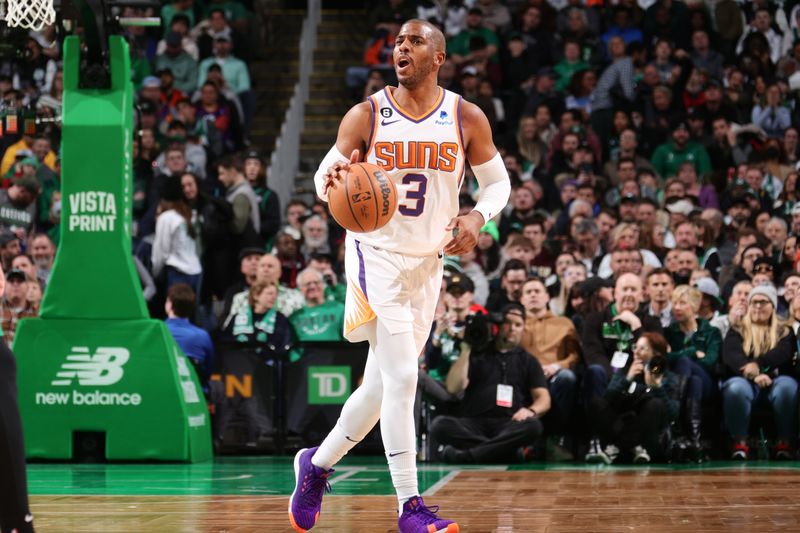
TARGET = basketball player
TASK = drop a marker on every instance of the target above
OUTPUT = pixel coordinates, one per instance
(14, 514)
(422, 136)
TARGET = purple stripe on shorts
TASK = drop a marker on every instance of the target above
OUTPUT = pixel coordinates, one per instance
(362, 280)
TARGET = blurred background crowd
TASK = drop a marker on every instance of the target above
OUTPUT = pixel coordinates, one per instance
(649, 247)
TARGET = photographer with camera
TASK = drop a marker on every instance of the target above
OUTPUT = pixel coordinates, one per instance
(448, 334)
(335, 289)
(633, 416)
(445, 343)
(505, 393)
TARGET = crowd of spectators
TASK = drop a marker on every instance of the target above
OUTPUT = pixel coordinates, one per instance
(640, 289)
(650, 237)
(194, 105)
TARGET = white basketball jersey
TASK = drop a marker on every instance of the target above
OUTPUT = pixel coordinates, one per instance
(425, 158)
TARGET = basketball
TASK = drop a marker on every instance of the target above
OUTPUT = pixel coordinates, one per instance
(365, 200)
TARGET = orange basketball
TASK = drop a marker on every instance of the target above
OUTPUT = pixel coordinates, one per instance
(364, 200)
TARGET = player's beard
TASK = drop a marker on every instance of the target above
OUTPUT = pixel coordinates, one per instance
(416, 79)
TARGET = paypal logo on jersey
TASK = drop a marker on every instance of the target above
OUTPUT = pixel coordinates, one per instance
(444, 119)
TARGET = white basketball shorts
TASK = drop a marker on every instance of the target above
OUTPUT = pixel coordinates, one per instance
(400, 290)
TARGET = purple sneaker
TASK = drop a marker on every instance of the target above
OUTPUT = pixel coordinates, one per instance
(311, 482)
(417, 518)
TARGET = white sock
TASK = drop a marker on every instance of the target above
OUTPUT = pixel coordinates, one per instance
(403, 467)
(333, 448)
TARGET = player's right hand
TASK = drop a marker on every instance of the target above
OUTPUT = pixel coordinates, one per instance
(333, 176)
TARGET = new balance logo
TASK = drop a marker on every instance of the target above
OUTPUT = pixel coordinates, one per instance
(102, 368)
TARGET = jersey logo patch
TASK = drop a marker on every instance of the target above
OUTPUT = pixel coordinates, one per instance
(443, 119)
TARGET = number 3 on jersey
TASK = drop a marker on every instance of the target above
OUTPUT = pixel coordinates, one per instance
(415, 195)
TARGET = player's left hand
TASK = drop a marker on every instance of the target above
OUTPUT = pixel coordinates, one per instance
(465, 229)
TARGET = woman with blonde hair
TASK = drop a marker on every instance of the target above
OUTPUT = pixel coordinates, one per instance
(757, 358)
(571, 276)
(695, 345)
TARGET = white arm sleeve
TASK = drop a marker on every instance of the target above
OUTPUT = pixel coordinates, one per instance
(332, 157)
(495, 187)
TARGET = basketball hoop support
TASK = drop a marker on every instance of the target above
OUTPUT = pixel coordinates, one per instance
(93, 309)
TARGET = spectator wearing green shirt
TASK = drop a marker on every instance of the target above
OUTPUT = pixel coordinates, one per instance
(669, 156)
(335, 289)
(235, 13)
(184, 7)
(319, 320)
(571, 64)
(474, 43)
(445, 344)
(696, 346)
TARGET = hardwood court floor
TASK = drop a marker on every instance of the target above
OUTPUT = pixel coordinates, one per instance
(246, 495)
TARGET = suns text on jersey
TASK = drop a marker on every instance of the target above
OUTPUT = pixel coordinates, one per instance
(417, 154)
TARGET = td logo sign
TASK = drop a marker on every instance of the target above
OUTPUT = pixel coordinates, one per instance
(328, 385)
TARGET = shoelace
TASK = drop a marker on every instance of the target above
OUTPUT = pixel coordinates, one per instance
(427, 512)
(315, 486)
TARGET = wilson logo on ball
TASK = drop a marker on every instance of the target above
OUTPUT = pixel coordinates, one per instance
(386, 191)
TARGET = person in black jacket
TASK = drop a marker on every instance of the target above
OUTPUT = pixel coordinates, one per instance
(608, 336)
(633, 416)
(757, 358)
(14, 511)
(213, 217)
(269, 205)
